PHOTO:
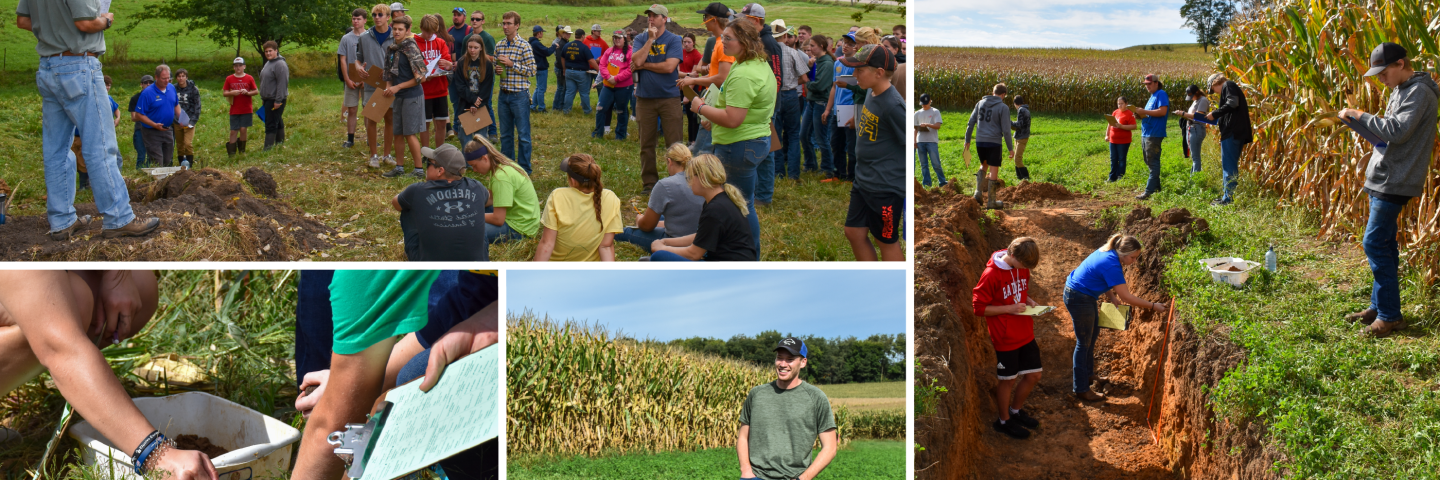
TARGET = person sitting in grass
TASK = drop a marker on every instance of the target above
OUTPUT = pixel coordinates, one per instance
(1119, 138)
(443, 217)
(405, 71)
(56, 321)
(1396, 174)
(992, 117)
(877, 199)
(780, 421)
(1001, 296)
(723, 232)
(927, 141)
(1102, 273)
(1021, 128)
(514, 211)
(580, 220)
(673, 211)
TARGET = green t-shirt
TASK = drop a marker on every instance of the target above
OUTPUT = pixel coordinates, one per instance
(751, 85)
(371, 305)
(784, 425)
(512, 190)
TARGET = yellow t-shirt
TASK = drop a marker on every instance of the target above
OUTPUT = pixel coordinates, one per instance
(571, 214)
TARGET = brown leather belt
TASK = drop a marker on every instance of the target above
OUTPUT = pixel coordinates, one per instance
(68, 53)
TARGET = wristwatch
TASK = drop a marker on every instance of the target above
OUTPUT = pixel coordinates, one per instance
(108, 22)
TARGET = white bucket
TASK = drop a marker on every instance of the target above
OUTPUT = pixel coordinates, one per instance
(1219, 268)
(161, 172)
(259, 445)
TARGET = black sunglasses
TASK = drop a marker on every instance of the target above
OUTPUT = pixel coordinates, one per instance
(377, 15)
(473, 19)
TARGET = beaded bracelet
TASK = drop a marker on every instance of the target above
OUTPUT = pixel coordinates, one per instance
(160, 450)
(146, 448)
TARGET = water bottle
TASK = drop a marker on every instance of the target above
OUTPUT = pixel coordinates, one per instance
(1270, 259)
(184, 164)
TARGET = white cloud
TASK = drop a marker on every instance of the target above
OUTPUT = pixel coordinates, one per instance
(1048, 23)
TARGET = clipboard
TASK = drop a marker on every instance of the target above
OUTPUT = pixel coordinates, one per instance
(473, 122)
(1114, 317)
(1110, 119)
(377, 105)
(688, 92)
(377, 77)
(844, 114)
(403, 436)
(1364, 132)
(775, 143)
(849, 80)
(1037, 310)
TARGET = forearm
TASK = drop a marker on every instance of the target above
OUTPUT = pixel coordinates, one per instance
(822, 460)
(1131, 299)
(742, 449)
(355, 383)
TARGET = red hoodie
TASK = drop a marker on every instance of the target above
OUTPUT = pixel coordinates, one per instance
(1001, 285)
(438, 85)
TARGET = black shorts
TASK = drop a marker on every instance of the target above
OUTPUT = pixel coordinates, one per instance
(881, 212)
(1017, 362)
(990, 155)
(437, 108)
(243, 120)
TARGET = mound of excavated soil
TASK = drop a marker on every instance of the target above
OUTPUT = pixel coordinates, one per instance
(641, 24)
(1030, 192)
(202, 444)
(203, 214)
(261, 182)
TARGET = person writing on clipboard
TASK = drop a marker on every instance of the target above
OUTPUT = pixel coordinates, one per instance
(1101, 273)
(1396, 173)
(1001, 296)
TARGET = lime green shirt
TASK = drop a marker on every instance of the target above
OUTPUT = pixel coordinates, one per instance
(750, 85)
(371, 305)
(511, 189)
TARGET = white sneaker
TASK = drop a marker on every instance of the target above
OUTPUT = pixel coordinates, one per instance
(607, 130)
(374, 161)
(390, 160)
(632, 118)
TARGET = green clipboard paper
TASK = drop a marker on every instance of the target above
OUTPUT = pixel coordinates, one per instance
(421, 428)
(1113, 316)
(1037, 310)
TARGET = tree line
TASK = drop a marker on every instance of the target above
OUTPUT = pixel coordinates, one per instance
(877, 358)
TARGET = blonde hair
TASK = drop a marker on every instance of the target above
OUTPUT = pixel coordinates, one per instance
(1025, 250)
(497, 159)
(678, 153)
(433, 24)
(708, 170)
(381, 8)
(1121, 244)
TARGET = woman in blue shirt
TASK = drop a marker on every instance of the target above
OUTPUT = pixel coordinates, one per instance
(1102, 273)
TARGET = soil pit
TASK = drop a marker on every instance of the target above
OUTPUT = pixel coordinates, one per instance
(202, 444)
(204, 214)
(1032, 192)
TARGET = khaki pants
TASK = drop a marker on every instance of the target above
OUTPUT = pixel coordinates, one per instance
(671, 120)
(79, 159)
(184, 140)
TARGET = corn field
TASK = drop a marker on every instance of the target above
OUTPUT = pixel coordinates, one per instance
(577, 389)
(1054, 80)
(1301, 62)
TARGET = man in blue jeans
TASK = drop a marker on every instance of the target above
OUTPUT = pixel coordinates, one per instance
(1232, 114)
(578, 62)
(513, 55)
(1152, 127)
(542, 67)
(794, 68)
(1396, 173)
(562, 38)
(927, 141)
(70, 36)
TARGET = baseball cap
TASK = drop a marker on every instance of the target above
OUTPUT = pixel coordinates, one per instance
(778, 27)
(1384, 55)
(459, 10)
(537, 29)
(618, 33)
(147, 79)
(794, 346)
(239, 61)
(595, 27)
(871, 56)
(398, 7)
(1151, 78)
(447, 157)
(658, 9)
(716, 9)
(850, 36)
(754, 10)
(924, 98)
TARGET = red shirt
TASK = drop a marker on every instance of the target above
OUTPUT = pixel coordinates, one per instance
(241, 104)
(1121, 136)
(999, 286)
(437, 85)
(689, 59)
(597, 45)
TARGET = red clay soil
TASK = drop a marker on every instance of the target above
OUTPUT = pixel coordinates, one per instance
(1112, 439)
(1032, 192)
(204, 214)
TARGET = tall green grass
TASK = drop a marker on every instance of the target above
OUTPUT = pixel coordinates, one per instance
(859, 459)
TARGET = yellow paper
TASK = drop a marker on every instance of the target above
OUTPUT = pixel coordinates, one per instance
(1114, 316)
(1037, 310)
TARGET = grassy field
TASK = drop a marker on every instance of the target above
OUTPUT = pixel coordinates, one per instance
(865, 390)
(859, 459)
(1336, 405)
(237, 326)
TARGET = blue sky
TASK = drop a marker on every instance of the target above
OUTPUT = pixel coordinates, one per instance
(665, 305)
(1105, 24)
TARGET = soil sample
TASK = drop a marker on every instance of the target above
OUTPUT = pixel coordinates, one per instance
(196, 442)
(1234, 269)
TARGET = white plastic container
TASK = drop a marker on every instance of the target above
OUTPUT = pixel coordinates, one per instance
(259, 445)
(162, 172)
(1219, 268)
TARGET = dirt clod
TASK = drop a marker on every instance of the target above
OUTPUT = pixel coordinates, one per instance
(202, 444)
(1175, 216)
(1029, 192)
(261, 182)
(1232, 269)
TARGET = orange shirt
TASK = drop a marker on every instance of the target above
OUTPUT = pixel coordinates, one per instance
(718, 55)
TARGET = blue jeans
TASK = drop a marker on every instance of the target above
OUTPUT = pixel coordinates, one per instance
(1118, 153)
(618, 100)
(577, 82)
(72, 95)
(139, 144)
(842, 142)
(765, 175)
(929, 154)
(668, 256)
(1230, 166)
(542, 81)
(559, 88)
(640, 238)
(1384, 255)
(787, 124)
(501, 233)
(515, 121)
(816, 135)
(702, 142)
(741, 159)
(1084, 314)
(1197, 140)
(1150, 149)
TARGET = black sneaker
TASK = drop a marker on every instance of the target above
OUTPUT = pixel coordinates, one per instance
(348, 144)
(1144, 196)
(647, 190)
(395, 172)
(1220, 202)
(1024, 419)
(1014, 430)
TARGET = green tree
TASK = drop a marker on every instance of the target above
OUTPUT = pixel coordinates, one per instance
(1208, 19)
(307, 23)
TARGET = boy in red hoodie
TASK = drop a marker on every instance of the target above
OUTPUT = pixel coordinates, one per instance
(1001, 294)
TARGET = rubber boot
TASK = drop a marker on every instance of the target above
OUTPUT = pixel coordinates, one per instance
(230, 149)
(240, 146)
(980, 182)
(269, 141)
(1022, 173)
(992, 204)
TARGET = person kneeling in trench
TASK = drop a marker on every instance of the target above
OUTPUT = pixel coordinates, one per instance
(1001, 296)
(1103, 272)
(57, 321)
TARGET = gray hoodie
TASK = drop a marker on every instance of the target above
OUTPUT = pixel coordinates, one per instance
(1408, 128)
(275, 80)
(993, 117)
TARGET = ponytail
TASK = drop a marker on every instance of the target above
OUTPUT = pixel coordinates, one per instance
(708, 170)
(737, 198)
(1121, 244)
(585, 171)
